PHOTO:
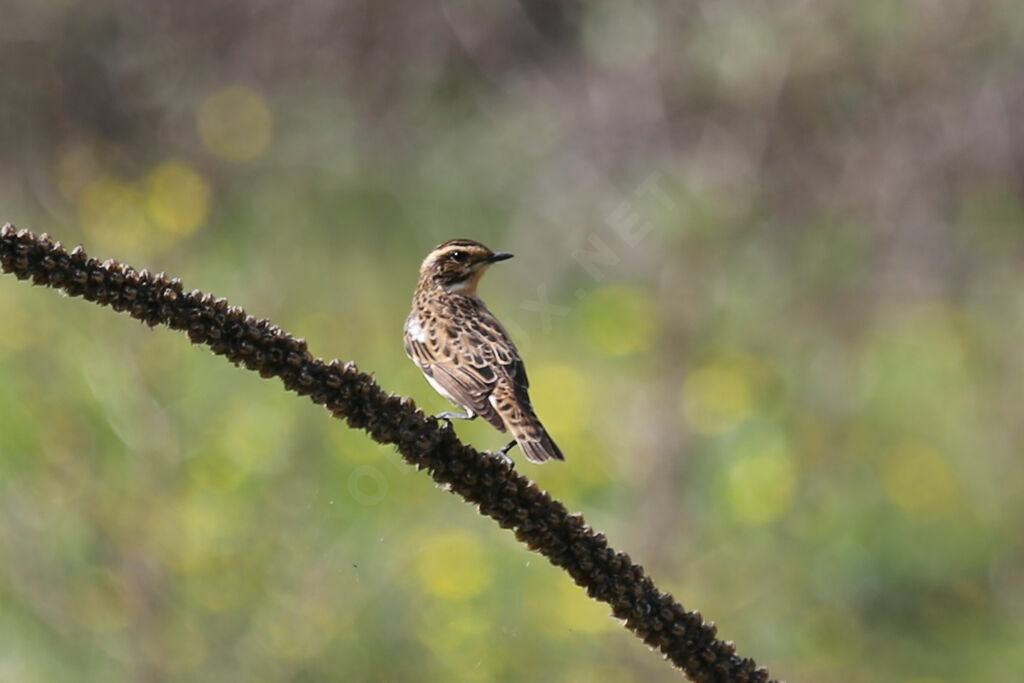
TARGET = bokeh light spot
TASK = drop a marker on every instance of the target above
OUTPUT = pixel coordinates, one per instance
(112, 209)
(257, 437)
(189, 532)
(453, 566)
(245, 440)
(718, 395)
(760, 487)
(557, 609)
(579, 613)
(619, 321)
(177, 198)
(916, 370)
(562, 396)
(918, 480)
(235, 124)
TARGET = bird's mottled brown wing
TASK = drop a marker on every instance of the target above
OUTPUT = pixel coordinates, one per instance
(509, 396)
(485, 345)
(469, 358)
(458, 356)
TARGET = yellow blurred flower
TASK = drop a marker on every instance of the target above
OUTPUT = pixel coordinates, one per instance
(919, 480)
(189, 532)
(718, 395)
(619, 321)
(453, 565)
(244, 439)
(177, 197)
(761, 483)
(562, 397)
(558, 608)
(235, 124)
(580, 613)
(112, 208)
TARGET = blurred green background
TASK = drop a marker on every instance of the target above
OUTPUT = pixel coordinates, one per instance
(768, 285)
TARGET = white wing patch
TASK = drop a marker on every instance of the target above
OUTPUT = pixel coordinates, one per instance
(415, 330)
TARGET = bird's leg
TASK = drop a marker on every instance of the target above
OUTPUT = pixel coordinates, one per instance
(502, 454)
(450, 415)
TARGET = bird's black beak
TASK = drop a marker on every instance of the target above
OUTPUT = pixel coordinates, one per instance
(499, 256)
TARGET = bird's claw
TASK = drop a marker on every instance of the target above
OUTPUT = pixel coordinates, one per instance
(503, 457)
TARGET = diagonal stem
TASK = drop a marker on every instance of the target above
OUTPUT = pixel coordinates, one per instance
(540, 522)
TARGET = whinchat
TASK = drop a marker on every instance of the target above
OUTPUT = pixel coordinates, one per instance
(466, 354)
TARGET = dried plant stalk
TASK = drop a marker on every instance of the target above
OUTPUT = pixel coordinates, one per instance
(540, 522)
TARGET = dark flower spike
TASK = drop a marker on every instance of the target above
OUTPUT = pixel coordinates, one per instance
(540, 522)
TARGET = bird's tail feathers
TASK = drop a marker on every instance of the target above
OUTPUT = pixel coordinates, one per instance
(537, 445)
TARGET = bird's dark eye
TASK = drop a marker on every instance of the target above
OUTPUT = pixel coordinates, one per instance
(459, 256)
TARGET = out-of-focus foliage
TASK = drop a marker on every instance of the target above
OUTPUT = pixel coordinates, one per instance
(768, 284)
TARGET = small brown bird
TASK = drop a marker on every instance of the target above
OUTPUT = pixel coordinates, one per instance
(466, 354)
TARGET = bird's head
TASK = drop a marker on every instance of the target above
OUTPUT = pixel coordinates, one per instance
(457, 265)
